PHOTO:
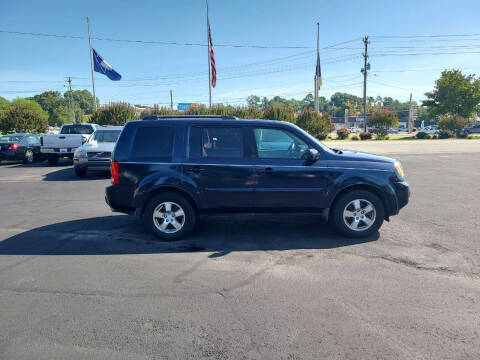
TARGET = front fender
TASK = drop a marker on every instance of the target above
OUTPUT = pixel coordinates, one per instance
(379, 183)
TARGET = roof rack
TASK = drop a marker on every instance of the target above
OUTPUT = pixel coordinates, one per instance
(158, 117)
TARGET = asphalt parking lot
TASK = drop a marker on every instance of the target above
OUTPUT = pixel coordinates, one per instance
(79, 282)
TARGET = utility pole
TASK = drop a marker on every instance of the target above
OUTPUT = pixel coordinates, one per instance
(346, 119)
(410, 115)
(365, 69)
(171, 99)
(69, 80)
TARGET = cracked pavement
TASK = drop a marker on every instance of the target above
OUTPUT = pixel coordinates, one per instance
(79, 282)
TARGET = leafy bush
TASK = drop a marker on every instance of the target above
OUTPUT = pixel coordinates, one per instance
(364, 135)
(24, 115)
(453, 124)
(422, 135)
(114, 114)
(382, 121)
(342, 133)
(355, 138)
(442, 134)
(317, 124)
(280, 112)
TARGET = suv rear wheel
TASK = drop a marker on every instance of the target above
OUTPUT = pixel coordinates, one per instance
(169, 216)
(358, 213)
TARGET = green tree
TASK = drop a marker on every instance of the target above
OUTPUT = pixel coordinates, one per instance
(50, 101)
(24, 115)
(114, 114)
(317, 124)
(277, 111)
(254, 100)
(452, 124)
(382, 121)
(454, 93)
(82, 98)
(4, 104)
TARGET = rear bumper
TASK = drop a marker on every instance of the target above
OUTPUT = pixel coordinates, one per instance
(112, 197)
(10, 155)
(58, 151)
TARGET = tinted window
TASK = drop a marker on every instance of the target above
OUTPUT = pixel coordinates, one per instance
(216, 142)
(110, 136)
(8, 139)
(153, 143)
(279, 144)
(33, 140)
(77, 129)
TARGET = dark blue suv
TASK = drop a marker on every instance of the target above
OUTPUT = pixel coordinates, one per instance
(168, 170)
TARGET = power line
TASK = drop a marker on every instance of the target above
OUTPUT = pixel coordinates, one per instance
(153, 42)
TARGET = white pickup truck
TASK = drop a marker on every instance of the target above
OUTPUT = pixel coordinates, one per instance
(64, 144)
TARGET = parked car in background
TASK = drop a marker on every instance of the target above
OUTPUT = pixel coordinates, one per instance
(97, 151)
(23, 147)
(432, 129)
(64, 144)
(170, 170)
(473, 129)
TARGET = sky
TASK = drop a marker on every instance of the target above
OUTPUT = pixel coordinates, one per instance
(407, 53)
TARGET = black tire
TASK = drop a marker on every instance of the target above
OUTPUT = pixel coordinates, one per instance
(81, 172)
(337, 214)
(29, 157)
(188, 219)
(53, 159)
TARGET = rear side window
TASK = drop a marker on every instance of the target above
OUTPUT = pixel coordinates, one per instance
(77, 129)
(216, 142)
(153, 143)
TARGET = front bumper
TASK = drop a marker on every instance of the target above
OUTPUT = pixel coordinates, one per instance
(402, 191)
(101, 164)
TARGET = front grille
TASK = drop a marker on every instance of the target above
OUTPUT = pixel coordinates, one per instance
(99, 155)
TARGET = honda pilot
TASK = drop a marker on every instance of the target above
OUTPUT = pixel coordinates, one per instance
(168, 170)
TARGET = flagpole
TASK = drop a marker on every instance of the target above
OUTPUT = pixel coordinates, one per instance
(91, 64)
(209, 64)
(317, 104)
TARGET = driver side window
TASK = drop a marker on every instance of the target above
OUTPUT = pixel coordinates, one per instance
(278, 144)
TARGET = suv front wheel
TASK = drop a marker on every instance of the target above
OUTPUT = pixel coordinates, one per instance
(358, 213)
(169, 216)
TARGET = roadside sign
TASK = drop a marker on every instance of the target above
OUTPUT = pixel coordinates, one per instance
(183, 106)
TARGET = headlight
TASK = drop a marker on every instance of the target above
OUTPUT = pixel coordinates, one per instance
(399, 169)
(80, 153)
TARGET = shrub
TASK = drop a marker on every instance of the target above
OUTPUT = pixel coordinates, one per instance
(422, 135)
(342, 133)
(114, 114)
(364, 135)
(381, 136)
(442, 134)
(317, 124)
(382, 121)
(355, 138)
(453, 124)
(280, 112)
(24, 115)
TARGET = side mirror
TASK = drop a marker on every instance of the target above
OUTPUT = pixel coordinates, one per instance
(312, 155)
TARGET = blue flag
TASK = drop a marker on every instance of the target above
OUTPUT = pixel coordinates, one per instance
(104, 67)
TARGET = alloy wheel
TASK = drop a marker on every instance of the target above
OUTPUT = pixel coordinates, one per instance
(169, 217)
(359, 215)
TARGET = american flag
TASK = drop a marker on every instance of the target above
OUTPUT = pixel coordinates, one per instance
(212, 56)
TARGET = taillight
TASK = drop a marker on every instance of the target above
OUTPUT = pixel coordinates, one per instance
(13, 147)
(114, 170)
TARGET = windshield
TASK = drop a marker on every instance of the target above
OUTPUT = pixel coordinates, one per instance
(9, 139)
(77, 129)
(108, 136)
